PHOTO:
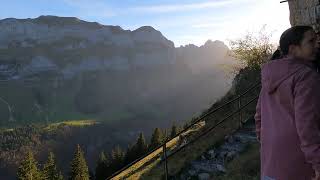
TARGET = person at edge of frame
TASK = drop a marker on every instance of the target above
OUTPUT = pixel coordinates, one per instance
(288, 109)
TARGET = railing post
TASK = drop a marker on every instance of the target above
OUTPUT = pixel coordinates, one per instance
(164, 147)
(240, 112)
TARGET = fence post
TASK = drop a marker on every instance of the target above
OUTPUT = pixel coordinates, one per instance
(164, 147)
(240, 112)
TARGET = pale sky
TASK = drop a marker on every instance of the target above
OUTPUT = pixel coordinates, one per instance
(183, 22)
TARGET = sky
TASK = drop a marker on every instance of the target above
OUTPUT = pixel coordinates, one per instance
(181, 21)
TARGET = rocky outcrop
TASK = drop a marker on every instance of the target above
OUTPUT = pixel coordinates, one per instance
(213, 161)
(305, 12)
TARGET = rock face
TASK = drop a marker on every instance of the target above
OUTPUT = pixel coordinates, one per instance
(63, 67)
(50, 41)
(305, 12)
(200, 58)
(69, 46)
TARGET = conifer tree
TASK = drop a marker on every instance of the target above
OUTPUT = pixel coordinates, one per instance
(165, 135)
(156, 138)
(141, 146)
(117, 158)
(28, 169)
(50, 171)
(103, 167)
(131, 154)
(185, 126)
(174, 131)
(79, 168)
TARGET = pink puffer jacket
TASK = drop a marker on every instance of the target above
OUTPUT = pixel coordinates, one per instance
(288, 120)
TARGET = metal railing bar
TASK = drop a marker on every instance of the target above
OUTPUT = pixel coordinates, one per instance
(212, 128)
(214, 110)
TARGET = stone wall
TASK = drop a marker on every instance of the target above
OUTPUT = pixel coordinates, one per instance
(305, 12)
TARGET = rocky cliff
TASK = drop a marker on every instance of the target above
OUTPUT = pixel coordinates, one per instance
(57, 68)
(69, 45)
(305, 12)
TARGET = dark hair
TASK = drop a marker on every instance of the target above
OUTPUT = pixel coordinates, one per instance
(292, 36)
(276, 55)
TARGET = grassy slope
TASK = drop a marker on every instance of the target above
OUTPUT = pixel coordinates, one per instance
(180, 160)
(146, 169)
(152, 161)
(134, 172)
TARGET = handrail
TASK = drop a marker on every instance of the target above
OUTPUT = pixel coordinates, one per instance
(216, 125)
(229, 102)
(185, 129)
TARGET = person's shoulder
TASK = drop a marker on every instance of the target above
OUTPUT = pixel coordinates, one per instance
(307, 73)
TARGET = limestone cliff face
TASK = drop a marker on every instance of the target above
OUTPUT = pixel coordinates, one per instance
(61, 68)
(69, 46)
(305, 12)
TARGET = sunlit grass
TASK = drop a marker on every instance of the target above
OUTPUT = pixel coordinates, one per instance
(77, 123)
(180, 160)
(8, 130)
(137, 170)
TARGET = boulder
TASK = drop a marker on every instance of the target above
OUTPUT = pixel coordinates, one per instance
(212, 154)
(221, 168)
(204, 176)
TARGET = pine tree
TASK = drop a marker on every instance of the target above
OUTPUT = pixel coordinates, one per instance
(117, 158)
(103, 167)
(156, 138)
(141, 146)
(28, 169)
(91, 175)
(165, 136)
(131, 154)
(79, 168)
(137, 150)
(50, 171)
(174, 131)
(186, 125)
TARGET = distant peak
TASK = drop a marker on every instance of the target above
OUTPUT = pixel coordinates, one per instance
(51, 17)
(48, 19)
(57, 20)
(145, 29)
(189, 46)
(215, 43)
(210, 42)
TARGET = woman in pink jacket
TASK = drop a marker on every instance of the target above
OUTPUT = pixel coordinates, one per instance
(288, 110)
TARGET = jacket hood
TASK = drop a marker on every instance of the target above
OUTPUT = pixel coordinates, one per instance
(275, 72)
